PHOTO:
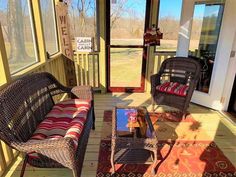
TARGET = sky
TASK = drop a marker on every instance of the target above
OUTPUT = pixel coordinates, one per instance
(170, 8)
(138, 7)
(89, 4)
(167, 7)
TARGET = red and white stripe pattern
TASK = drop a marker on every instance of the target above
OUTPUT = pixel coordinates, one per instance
(66, 119)
(173, 88)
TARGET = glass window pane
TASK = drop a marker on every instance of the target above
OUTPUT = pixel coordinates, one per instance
(49, 26)
(18, 36)
(127, 20)
(204, 38)
(168, 22)
(126, 67)
(83, 20)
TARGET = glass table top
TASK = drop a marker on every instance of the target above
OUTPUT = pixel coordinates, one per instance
(133, 122)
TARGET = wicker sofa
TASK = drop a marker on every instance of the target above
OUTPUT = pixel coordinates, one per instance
(49, 134)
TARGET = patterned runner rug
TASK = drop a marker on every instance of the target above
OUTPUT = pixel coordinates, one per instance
(185, 156)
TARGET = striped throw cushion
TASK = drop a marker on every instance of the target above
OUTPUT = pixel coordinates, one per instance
(66, 119)
(173, 88)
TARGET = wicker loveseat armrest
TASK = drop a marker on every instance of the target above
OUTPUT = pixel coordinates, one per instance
(82, 92)
(61, 150)
(46, 144)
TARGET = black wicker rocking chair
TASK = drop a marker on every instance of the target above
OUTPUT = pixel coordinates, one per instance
(175, 82)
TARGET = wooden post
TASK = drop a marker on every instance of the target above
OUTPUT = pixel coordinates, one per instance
(3, 164)
(102, 56)
(150, 53)
(5, 75)
(39, 30)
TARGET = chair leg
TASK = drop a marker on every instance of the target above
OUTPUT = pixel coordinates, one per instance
(24, 166)
(153, 171)
(153, 105)
(75, 172)
(184, 115)
(112, 160)
(93, 119)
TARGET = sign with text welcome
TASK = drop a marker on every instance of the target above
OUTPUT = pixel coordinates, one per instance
(84, 44)
(64, 29)
(65, 42)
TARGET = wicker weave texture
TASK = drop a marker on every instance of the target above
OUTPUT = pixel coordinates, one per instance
(177, 69)
(24, 104)
(142, 144)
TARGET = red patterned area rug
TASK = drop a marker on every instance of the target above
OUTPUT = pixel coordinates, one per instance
(181, 158)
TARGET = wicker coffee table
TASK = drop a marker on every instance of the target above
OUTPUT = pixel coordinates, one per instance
(133, 141)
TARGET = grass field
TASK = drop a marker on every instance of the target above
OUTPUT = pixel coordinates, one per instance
(126, 67)
(126, 63)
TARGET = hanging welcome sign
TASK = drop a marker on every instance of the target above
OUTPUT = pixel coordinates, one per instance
(65, 41)
(84, 44)
(63, 25)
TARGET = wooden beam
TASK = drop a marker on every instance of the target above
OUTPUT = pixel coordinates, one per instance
(151, 50)
(7, 151)
(39, 30)
(102, 56)
(3, 164)
(59, 37)
(5, 75)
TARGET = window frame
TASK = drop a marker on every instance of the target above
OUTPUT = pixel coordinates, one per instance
(97, 26)
(33, 30)
(49, 55)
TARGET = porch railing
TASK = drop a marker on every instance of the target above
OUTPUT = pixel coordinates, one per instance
(160, 56)
(87, 68)
(7, 157)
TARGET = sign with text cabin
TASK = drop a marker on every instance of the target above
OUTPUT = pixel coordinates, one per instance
(64, 29)
(84, 44)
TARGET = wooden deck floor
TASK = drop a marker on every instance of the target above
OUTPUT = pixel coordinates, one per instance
(214, 125)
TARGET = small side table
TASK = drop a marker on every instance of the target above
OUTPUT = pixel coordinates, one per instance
(139, 146)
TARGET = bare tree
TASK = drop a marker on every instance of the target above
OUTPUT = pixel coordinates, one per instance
(72, 16)
(48, 20)
(83, 6)
(16, 31)
(117, 10)
(82, 17)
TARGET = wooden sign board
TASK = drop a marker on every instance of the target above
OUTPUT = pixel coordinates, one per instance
(64, 29)
(65, 41)
(84, 44)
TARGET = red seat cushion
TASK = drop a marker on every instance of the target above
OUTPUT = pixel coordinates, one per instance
(173, 88)
(66, 119)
